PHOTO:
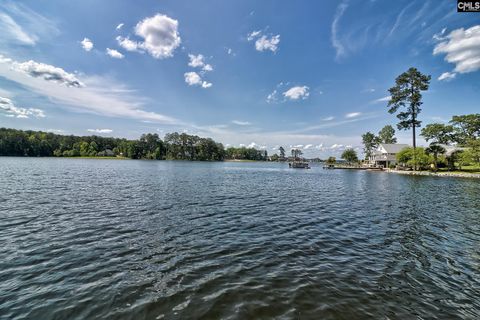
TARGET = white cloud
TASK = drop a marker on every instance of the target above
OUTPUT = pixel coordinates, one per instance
(21, 25)
(100, 95)
(9, 26)
(114, 53)
(47, 72)
(298, 92)
(230, 51)
(439, 36)
(328, 118)
(336, 43)
(264, 42)
(256, 146)
(87, 44)
(193, 79)
(352, 114)
(462, 48)
(128, 44)
(267, 43)
(160, 35)
(198, 61)
(58, 131)
(383, 99)
(241, 123)
(119, 26)
(447, 76)
(308, 146)
(272, 97)
(254, 34)
(7, 106)
(100, 130)
(336, 146)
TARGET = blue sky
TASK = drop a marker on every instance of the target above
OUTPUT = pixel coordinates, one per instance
(312, 74)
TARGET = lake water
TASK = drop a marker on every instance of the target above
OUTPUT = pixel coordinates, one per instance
(111, 239)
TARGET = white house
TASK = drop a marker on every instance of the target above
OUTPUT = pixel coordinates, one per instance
(386, 154)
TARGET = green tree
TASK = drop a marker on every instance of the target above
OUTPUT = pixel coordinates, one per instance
(282, 152)
(435, 150)
(387, 135)
(438, 133)
(467, 127)
(349, 155)
(370, 143)
(296, 153)
(415, 158)
(407, 94)
(331, 160)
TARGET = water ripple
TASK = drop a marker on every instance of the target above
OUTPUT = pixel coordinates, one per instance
(86, 239)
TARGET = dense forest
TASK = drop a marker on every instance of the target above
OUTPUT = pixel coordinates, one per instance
(174, 146)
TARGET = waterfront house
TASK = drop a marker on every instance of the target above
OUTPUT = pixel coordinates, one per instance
(386, 154)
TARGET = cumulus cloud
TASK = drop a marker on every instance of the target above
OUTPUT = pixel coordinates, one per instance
(462, 48)
(198, 61)
(128, 44)
(114, 53)
(119, 26)
(100, 95)
(193, 79)
(241, 123)
(328, 118)
(264, 42)
(160, 35)
(308, 146)
(352, 114)
(336, 146)
(254, 34)
(100, 130)
(298, 92)
(447, 76)
(87, 44)
(8, 107)
(267, 43)
(47, 72)
(256, 146)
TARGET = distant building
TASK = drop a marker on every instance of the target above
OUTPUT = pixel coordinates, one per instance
(386, 154)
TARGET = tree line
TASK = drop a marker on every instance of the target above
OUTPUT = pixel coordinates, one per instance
(174, 146)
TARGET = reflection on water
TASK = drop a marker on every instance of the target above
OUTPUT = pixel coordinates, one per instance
(103, 239)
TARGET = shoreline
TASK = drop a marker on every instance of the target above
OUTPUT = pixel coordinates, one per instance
(436, 174)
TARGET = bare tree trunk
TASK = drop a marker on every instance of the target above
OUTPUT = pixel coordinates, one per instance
(414, 145)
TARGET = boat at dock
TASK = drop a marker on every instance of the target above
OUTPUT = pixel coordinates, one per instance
(299, 165)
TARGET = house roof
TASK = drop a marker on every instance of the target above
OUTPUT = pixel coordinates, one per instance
(393, 147)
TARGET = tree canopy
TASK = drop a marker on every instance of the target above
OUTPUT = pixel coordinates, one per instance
(387, 135)
(407, 94)
(370, 143)
(175, 146)
(350, 155)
